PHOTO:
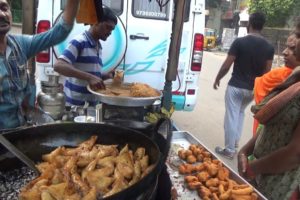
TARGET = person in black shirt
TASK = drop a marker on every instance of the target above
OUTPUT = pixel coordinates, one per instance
(252, 56)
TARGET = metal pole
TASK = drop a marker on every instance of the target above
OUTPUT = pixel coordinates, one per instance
(28, 27)
(174, 50)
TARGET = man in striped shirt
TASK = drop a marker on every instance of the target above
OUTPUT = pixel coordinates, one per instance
(81, 61)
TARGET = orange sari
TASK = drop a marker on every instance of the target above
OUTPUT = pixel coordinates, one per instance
(267, 82)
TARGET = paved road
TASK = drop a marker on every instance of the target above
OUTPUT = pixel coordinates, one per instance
(206, 121)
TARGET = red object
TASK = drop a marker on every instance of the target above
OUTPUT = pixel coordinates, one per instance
(44, 56)
(191, 92)
(197, 52)
(250, 173)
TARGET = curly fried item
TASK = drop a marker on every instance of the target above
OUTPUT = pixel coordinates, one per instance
(223, 173)
(204, 192)
(215, 196)
(221, 188)
(186, 168)
(182, 169)
(192, 147)
(225, 195)
(191, 159)
(206, 159)
(194, 185)
(199, 167)
(189, 179)
(203, 176)
(213, 182)
(182, 154)
(243, 191)
(206, 154)
(188, 153)
(214, 189)
(212, 169)
(199, 157)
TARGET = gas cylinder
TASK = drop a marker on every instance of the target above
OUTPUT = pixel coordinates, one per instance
(51, 99)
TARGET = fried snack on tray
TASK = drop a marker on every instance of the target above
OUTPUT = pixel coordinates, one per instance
(142, 90)
(86, 172)
(210, 178)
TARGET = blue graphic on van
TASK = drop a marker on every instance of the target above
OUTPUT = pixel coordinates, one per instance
(159, 50)
(141, 66)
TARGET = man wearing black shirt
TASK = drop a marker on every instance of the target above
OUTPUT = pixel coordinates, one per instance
(252, 56)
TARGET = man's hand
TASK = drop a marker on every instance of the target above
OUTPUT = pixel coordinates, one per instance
(216, 84)
(96, 83)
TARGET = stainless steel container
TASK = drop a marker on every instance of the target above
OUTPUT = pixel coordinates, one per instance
(52, 99)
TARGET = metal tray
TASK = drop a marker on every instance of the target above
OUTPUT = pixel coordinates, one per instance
(182, 139)
(126, 101)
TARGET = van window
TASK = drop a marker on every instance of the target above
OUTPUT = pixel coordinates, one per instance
(115, 5)
(187, 10)
(150, 9)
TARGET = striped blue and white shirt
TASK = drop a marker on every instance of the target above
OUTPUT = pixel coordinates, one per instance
(83, 54)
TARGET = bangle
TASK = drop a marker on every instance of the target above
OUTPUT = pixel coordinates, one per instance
(250, 173)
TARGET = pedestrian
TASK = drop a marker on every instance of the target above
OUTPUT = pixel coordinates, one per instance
(81, 62)
(15, 50)
(266, 83)
(252, 56)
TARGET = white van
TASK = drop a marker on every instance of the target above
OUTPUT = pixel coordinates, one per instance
(139, 44)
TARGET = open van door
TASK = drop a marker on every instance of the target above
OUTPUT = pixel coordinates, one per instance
(148, 33)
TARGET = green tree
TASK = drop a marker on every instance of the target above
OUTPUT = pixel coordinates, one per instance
(16, 8)
(277, 11)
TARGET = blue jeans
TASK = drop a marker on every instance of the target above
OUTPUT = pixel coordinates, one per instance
(236, 100)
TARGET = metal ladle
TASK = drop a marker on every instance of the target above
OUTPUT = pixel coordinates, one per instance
(10, 147)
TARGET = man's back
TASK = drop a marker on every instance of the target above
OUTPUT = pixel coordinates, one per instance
(251, 55)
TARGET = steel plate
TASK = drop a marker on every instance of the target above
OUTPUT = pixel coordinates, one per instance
(126, 101)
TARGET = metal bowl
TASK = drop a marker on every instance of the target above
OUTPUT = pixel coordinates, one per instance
(125, 101)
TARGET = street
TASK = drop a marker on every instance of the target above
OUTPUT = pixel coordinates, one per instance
(206, 121)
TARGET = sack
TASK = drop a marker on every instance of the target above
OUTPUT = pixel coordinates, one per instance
(87, 12)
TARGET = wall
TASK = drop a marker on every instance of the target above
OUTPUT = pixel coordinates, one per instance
(277, 36)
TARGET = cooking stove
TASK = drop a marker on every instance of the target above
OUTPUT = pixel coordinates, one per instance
(112, 112)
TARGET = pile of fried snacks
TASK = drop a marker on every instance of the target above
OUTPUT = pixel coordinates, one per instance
(210, 178)
(87, 172)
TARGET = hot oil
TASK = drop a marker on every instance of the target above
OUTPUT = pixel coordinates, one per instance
(12, 181)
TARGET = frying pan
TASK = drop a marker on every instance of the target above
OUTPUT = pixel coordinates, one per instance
(36, 141)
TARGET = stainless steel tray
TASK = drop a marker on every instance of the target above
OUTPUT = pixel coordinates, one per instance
(182, 139)
(126, 101)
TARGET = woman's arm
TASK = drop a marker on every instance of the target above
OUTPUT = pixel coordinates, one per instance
(285, 158)
(243, 154)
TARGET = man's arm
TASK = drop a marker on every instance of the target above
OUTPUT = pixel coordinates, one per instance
(70, 11)
(224, 70)
(67, 69)
(285, 158)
